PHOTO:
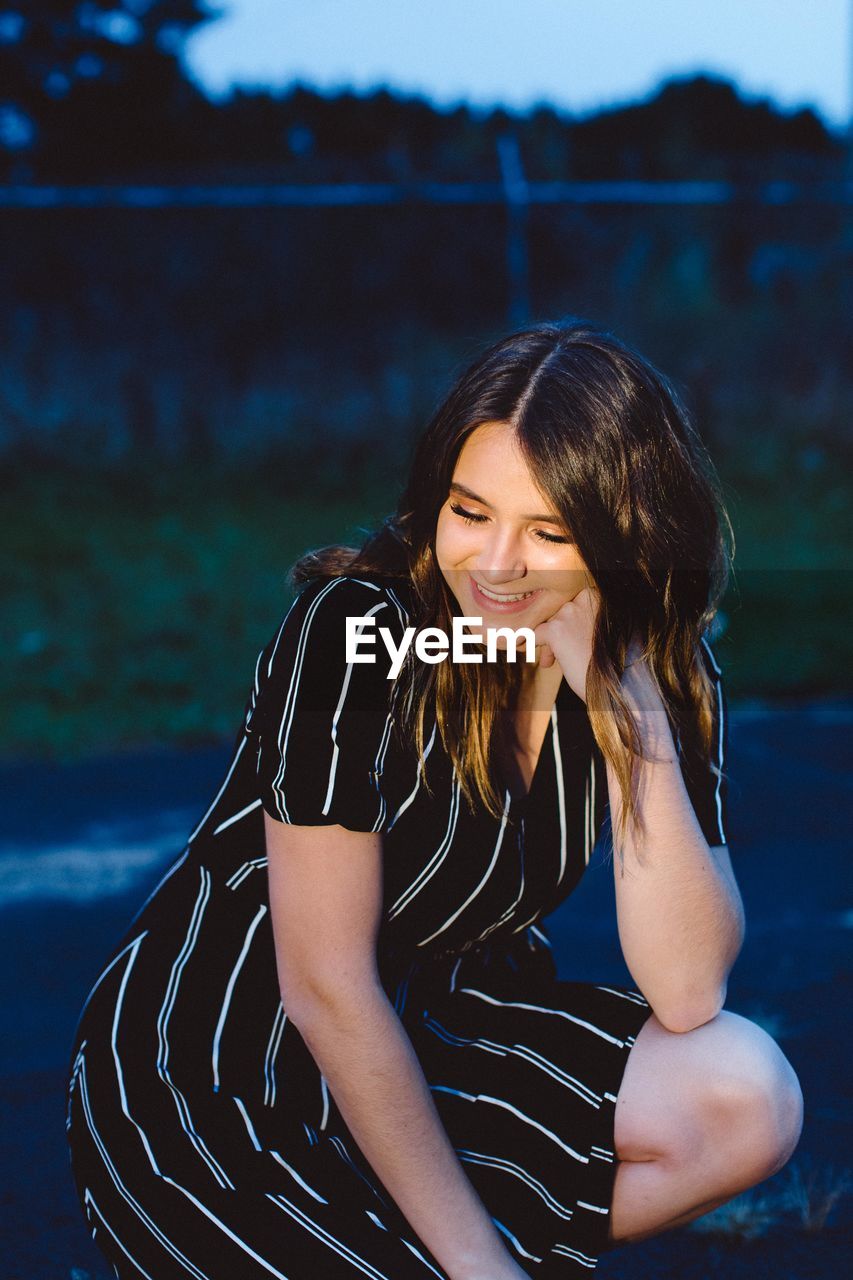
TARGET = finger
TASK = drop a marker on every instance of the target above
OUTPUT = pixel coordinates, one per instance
(546, 657)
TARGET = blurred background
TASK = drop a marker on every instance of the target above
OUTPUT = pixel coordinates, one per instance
(244, 248)
(242, 260)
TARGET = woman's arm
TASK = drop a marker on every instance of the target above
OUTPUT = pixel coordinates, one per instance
(325, 886)
(679, 910)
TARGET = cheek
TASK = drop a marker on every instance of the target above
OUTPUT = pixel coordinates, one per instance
(442, 540)
(564, 584)
(571, 577)
(453, 542)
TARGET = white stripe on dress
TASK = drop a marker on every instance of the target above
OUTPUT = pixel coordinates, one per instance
(297, 1178)
(340, 1147)
(226, 1230)
(229, 991)
(571, 1082)
(237, 877)
(488, 1046)
(720, 759)
(624, 995)
(237, 816)
(333, 1243)
(324, 1090)
(91, 1203)
(507, 1106)
(122, 1189)
(561, 787)
(162, 1030)
(583, 1258)
(535, 1008)
(293, 687)
(521, 1051)
(483, 881)
(171, 871)
(510, 910)
(221, 790)
(250, 1128)
(418, 1254)
(111, 964)
(292, 690)
(274, 649)
(273, 1046)
(421, 763)
(114, 1047)
(507, 1166)
(515, 1242)
(378, 765)
(437, 858)
(336, 751)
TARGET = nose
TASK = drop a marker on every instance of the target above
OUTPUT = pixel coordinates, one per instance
(501, 559)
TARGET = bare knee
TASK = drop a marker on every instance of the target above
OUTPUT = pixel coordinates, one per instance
(754, 1102)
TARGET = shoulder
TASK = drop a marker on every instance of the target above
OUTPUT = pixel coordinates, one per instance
(325, 604)
(310, 643)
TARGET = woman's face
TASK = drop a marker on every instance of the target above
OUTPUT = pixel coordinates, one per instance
(500, 546)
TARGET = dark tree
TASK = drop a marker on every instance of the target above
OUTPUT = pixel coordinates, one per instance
(87, 86)
(702, 127)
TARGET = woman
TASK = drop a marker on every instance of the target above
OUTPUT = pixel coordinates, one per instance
(333, 1042)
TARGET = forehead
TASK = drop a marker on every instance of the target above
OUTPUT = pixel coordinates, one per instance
(492, 445)
(492, 450)
(491, 467)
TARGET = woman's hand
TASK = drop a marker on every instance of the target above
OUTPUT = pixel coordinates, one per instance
(566, 638)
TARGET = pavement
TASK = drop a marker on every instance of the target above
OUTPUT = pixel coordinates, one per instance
(85, 843)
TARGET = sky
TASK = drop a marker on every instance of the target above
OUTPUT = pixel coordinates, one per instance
(577, 55)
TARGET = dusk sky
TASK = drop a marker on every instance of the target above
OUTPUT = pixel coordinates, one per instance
(575, 54)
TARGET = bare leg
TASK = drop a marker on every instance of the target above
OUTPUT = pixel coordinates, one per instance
(700, 1116)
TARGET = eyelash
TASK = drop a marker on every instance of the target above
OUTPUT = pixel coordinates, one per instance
(471, 517)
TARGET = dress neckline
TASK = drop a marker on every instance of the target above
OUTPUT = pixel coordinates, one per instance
(523, 801)
(516, 803)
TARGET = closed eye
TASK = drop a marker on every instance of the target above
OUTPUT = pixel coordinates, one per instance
(474, 517)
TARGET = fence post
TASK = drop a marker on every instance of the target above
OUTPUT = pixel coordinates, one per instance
(516, 196)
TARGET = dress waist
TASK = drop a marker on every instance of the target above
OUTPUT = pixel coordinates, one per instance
(513, 964)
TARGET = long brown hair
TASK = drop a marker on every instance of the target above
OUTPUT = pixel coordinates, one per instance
(609, 443)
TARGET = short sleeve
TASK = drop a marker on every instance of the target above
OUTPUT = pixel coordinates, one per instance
(321, 721)
(706, 779)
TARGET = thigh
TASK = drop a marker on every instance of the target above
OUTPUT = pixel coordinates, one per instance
(673, 1081)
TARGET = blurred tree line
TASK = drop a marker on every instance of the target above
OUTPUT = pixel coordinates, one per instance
(203, 331)
(93, 90)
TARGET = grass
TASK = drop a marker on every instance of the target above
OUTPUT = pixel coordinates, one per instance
(137, 600)
(803, 1196)
(814, 1191)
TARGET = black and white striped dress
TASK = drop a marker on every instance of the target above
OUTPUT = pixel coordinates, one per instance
(205, 1142)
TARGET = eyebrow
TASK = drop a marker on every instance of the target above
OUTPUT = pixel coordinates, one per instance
(469, 493)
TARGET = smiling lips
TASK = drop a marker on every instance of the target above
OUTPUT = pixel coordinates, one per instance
(502, 602)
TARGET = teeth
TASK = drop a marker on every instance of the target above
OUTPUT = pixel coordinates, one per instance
(503, 599)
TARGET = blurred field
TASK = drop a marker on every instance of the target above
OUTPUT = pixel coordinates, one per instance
(210, 332)
(191, 398)
(138, 598)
